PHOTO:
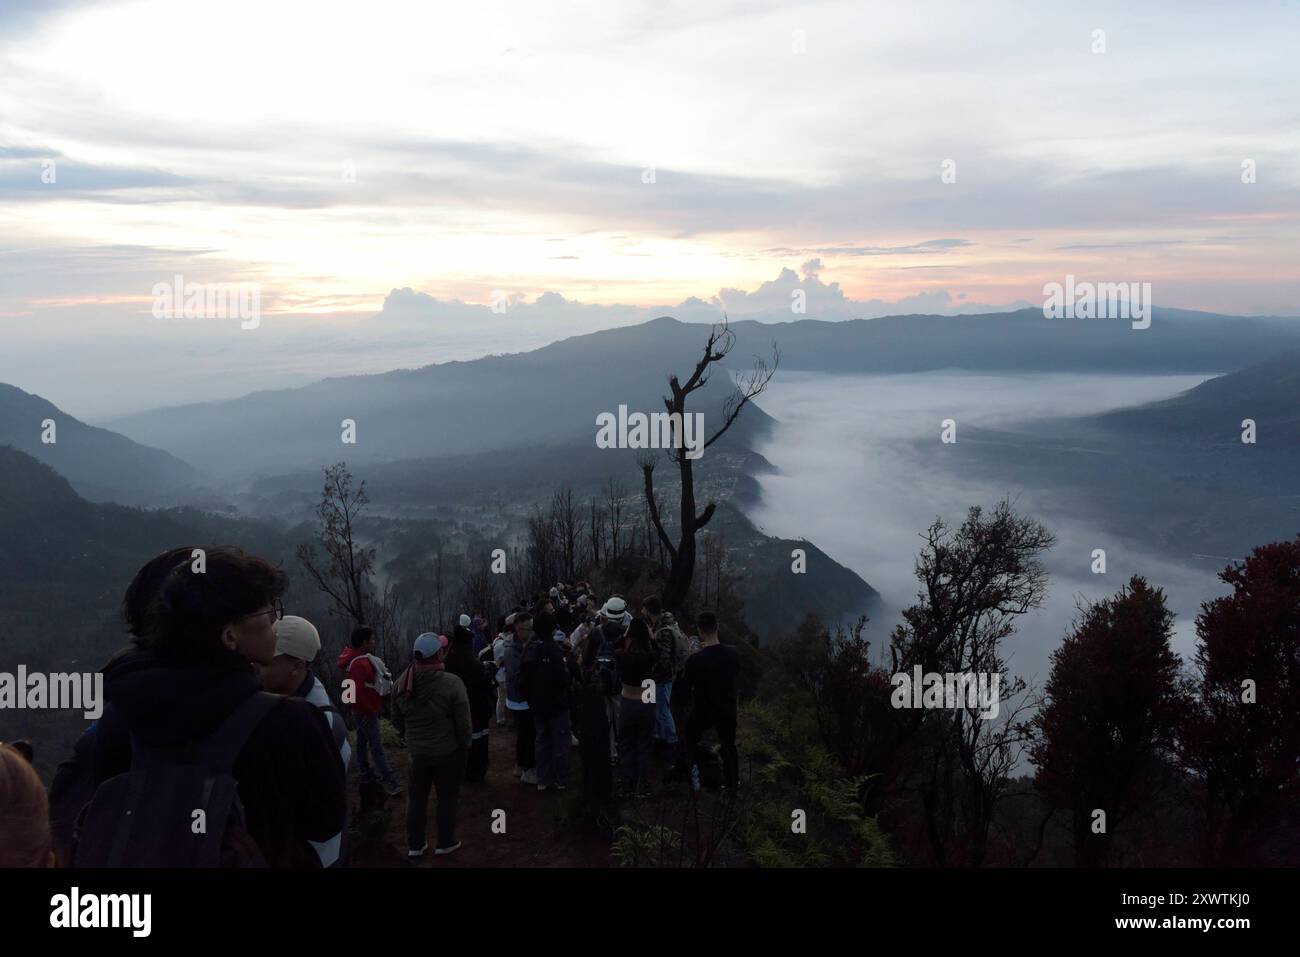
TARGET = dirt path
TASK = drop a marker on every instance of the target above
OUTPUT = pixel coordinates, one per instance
(535, 835)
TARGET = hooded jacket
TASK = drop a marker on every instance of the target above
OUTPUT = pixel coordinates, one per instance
(513, 660)
(670, 649)
(434, 717)
(465, 665)
(290, 774)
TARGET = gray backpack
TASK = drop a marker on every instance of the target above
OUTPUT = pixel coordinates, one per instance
(148, 816)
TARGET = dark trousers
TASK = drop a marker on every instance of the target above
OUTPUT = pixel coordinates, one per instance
(553, 744)
(443, 774)
(636, 728)
(525, 740)
(476, 767)
(696, 726)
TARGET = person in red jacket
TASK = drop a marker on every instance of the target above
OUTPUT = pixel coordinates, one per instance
(365, 683)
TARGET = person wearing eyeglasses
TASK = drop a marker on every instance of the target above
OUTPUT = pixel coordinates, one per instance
(188, 681)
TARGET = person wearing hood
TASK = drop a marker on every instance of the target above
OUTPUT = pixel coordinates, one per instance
(599, 661)
(189, 669)
(366, 683)
(431, 709)
(465, 665)
(480, 636)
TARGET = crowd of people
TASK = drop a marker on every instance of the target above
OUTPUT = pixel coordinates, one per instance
(220, 746)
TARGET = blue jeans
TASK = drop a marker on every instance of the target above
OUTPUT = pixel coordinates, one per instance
(665, 727)
(553, 749)
(371, 741)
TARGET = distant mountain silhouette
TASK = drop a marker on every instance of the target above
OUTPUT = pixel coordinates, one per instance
(551, 395)
(1177, 341)
(547, 397)
(1268, 393)
(1174, 474)
(101, 465)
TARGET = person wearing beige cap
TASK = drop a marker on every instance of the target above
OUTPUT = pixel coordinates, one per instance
(297, 642)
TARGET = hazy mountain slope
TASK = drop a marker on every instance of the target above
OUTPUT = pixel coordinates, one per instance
(1026, 341)
(1173, 473)
(551, 395)
(1211, 414)
(497, 403)
(479, 490)
(101, 465)
(63, 568)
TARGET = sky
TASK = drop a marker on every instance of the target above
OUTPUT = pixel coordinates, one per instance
(387, 172)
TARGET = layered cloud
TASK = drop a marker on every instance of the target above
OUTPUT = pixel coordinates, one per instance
(596, 164)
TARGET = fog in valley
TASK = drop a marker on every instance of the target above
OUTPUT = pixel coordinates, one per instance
(852, 479)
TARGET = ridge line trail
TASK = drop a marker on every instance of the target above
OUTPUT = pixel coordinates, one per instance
(536, 835)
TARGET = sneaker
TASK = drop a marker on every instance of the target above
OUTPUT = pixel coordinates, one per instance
(418, 852)
(528, 777)
(573, 739)
(561, 787)
(541, 787)
(392, 790)
(448, 850)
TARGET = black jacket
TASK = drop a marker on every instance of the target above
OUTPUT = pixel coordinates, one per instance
(548, 677)
(290, 774)
(465, 665)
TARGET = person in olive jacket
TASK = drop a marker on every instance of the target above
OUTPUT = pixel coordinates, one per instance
(431, 710)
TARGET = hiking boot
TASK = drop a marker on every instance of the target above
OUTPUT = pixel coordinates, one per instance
(418, 852)
(448, 850)
(528, 777)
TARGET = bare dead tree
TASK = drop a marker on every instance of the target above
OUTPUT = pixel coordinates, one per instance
(343, 571)
(439, 591)
(541, 551)
(595, 530)
(682, 554)
(564, 516)
(478, 588)
(517, 573)
(615, 492)
(387, 616)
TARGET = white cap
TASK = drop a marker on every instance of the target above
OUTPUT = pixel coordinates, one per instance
(297, 638)
(464, 621)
